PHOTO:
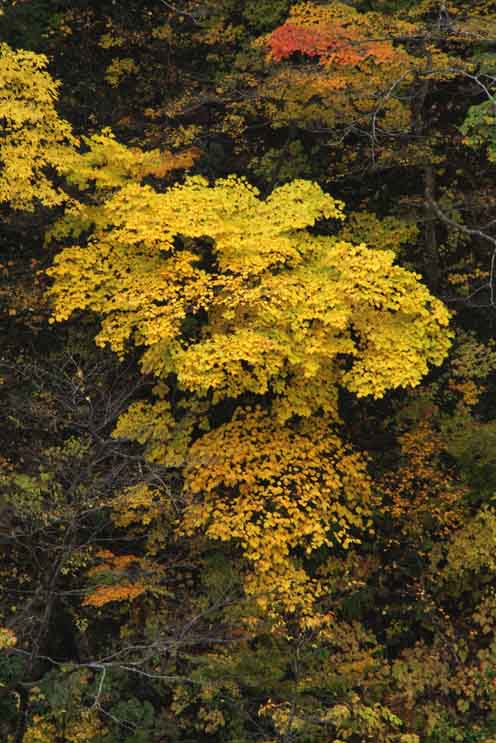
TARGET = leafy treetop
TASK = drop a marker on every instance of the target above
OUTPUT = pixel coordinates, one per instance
(233, 295)
(35, 140)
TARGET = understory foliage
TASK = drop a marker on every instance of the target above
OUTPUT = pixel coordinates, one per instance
(247, 475)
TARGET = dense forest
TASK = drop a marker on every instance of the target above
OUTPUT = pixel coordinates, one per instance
(248, 371)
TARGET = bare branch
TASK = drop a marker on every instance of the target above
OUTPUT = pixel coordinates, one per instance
(490, 285)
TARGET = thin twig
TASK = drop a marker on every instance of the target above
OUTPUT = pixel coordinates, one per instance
(490, 285)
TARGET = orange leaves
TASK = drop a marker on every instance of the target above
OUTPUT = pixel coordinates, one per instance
(103, 595)
(338, 45)
(174, 161)
(114, 571)
(422, 495)
(113, 563)
(7, 638)
(290, 38)
(355, 68)
(335, 33)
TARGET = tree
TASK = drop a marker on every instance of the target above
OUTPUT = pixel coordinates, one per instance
(236, 304)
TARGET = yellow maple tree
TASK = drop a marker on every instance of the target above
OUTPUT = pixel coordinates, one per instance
(230, 296)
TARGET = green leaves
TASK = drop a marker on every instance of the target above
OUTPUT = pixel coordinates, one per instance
(479, 128)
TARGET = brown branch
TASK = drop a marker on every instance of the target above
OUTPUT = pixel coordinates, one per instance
(474, 233)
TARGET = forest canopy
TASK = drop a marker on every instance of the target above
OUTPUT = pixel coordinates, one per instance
(247, 368)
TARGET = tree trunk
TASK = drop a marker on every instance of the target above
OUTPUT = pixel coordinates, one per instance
(431, 253)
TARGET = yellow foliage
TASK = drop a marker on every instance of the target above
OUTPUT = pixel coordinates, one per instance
(472, 548)
(282, 716)
(284, 308)
(385, 234)
(85, 728)
(119, 69)
(276, 489)
(230, 295)
(211, 719)
(60, 726)
(153, 424)
(138, 504)
(422, 495)
(34, 138)
(471, 364)
(164, 33)
(107, 164)
(146, 512)
(36, 144)
(40, 731)
(7, 638)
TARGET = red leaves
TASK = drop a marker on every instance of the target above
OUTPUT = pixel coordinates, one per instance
(337, 45)
(289, 38)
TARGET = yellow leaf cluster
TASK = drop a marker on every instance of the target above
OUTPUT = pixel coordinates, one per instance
(166, 439)
(119, 69)
(7, 638)
(147, 512)
(106, 164)
(472, 548)
(37, 144)
(35, 140)
(40, 731)
(275, 489)
(85, 728)
(389, 233)
(136, 504)
(284, 308)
